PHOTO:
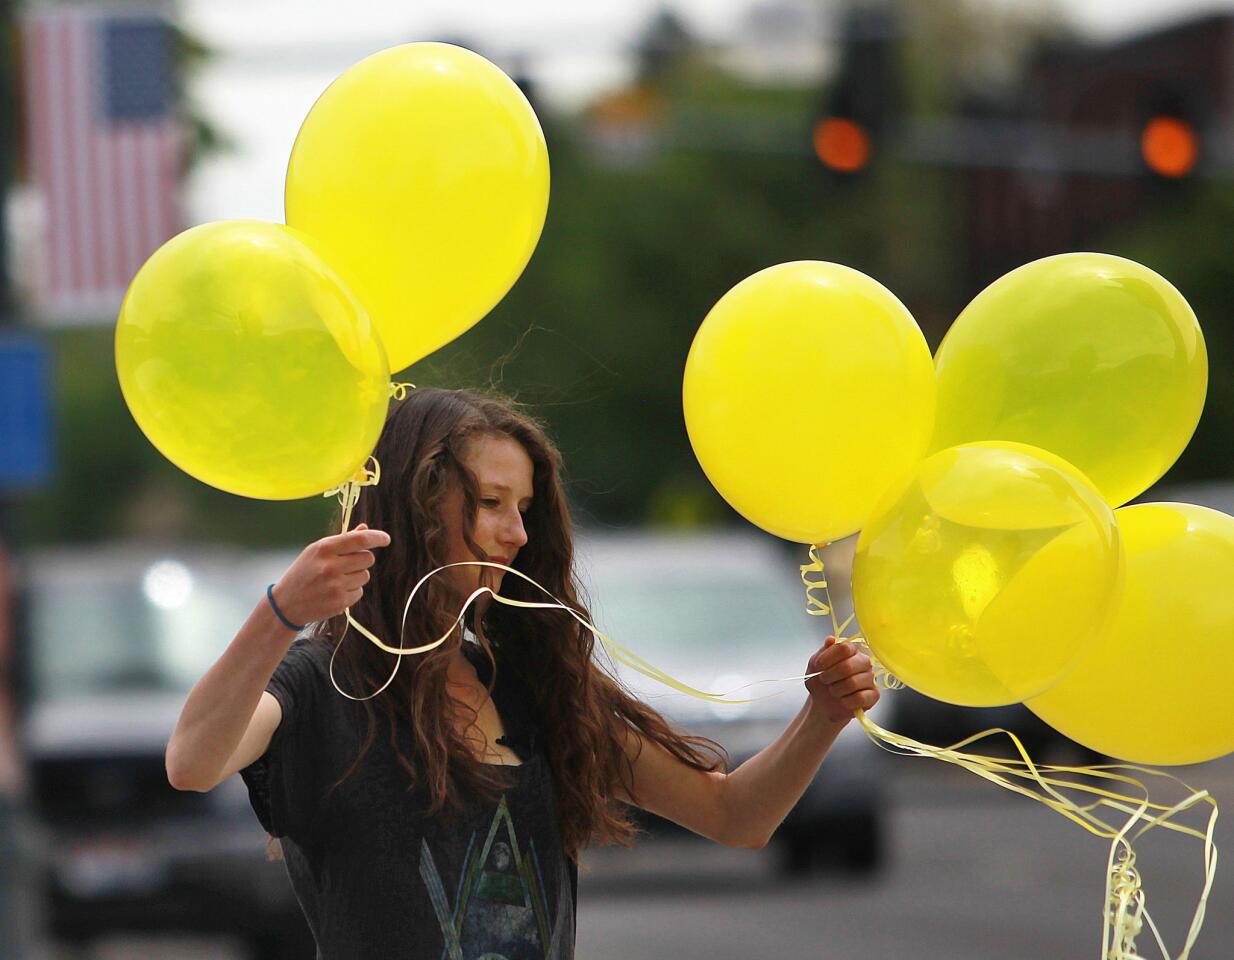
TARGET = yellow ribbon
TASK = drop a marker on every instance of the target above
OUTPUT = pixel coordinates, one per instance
(814, 577)
(621, 654)
(1125, 913)
(348, 496)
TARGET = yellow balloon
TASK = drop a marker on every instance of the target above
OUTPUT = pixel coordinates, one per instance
(980, 581)
(1154, 686)
(248, 364)
(1092, 357)
(808, 391)
(424, 171)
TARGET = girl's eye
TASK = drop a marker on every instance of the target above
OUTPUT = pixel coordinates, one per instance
(489, 501)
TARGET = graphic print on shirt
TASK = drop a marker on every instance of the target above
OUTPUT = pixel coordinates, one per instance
(501, 909)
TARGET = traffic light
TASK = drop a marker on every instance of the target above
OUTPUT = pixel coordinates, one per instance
(1170, 146)
(1172, 119)
(862, 104)
(841, 144)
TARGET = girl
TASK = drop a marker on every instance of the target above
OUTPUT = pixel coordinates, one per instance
(445, 816)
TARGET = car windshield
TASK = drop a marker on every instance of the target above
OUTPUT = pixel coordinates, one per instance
(157, 630)
(707, 622)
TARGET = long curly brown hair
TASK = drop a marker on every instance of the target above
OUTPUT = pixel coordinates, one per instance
(583, 713)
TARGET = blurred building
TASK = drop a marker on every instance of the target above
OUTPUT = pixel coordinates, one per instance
(1098, 135)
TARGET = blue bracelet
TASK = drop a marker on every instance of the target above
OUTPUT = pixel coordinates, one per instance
(279, 613)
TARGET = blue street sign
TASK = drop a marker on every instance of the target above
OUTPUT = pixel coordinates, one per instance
(25, 414)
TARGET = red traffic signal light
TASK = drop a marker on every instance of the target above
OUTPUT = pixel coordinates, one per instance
(841, 144)
(1169, 146)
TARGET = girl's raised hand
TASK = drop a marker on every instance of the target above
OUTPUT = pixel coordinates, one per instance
(329, 575)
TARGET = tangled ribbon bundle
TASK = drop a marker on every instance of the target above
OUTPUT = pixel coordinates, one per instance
(1125, 913)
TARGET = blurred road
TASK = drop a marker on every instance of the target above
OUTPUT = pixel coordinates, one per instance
(973, 873)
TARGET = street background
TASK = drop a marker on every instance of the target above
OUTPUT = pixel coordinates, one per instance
(688, 151)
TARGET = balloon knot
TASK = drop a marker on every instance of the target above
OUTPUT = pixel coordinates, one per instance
(398, 391)
(348, 493)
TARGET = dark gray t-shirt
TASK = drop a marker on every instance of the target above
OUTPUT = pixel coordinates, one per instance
(375, 876)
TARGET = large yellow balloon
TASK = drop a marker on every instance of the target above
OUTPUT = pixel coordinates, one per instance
(247, 363)
(1155, 686)
(809, 390)
(1092, 357)
(981, 580)
(424, 171)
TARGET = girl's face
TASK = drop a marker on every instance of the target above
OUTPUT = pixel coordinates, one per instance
(504, 474)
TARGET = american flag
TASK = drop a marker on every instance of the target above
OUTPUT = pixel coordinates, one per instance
(103, 152)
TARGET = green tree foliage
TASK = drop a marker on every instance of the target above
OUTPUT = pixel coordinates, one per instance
(1183, 237)
(716, 181)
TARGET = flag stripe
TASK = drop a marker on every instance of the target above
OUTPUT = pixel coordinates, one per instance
(75, 194)
(169, 208)
(37, 120)
(104, 173)
(83, 69)
(58, 193)
(101, 236)
(150, 160)
(127, 139)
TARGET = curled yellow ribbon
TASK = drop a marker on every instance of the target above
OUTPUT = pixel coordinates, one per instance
(348, 493)
(814, 577)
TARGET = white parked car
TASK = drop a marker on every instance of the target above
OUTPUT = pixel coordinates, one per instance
(115, 638)
(719, 611)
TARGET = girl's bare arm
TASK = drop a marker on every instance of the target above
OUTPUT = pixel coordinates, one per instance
(743, 808)
(228, 719)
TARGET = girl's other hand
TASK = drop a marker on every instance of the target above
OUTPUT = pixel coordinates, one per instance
(845, 681)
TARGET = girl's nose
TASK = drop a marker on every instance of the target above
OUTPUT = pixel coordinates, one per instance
(516, 533)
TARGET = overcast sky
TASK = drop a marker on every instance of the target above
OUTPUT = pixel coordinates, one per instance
(276, 56)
